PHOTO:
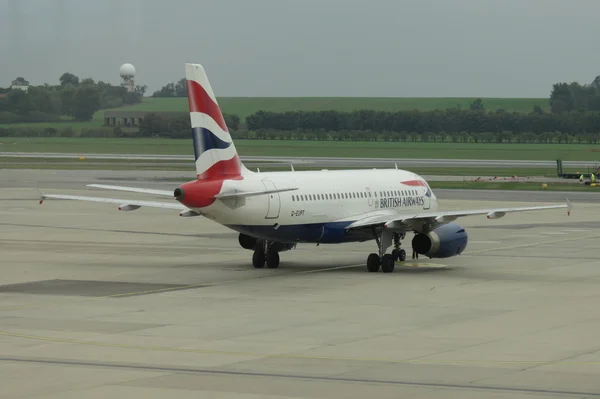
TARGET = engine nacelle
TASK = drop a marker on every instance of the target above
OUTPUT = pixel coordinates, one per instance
(250, 243)
(443, 242)
(247, 242)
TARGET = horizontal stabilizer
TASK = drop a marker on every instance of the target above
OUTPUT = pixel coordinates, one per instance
(124, 204)
(241, 194)
(166, 193)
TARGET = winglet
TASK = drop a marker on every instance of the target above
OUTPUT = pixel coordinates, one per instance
(569, 207)
(42, 196)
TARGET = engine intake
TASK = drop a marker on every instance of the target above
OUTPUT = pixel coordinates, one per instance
(443, 242)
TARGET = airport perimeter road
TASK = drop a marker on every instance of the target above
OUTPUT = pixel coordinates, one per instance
(321, 162)
(97, 303)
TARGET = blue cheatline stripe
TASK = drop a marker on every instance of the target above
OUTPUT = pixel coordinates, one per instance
(205, 140)
(331, 233)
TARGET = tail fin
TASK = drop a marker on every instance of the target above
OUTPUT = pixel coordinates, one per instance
(214, 151)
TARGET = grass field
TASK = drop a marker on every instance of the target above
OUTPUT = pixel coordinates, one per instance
(244, 106)
(283, 148)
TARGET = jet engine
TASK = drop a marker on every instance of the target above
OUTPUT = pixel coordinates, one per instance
(248, 242)
(444, 241)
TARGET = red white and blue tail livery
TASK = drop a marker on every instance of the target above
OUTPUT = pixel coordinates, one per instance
(214, 151)
(275, 211)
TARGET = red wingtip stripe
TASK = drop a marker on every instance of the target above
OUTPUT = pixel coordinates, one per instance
(200, 101)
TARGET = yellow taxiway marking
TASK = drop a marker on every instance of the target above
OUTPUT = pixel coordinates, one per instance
(290, 355)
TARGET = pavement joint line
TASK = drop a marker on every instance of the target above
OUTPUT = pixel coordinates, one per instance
(191, 286)
(161, 290)
(290, 355)
(533, 244)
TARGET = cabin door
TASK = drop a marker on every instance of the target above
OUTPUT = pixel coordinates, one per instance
(274, 202)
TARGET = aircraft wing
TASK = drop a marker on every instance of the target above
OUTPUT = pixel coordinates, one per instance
(417, 220)
(124, 204)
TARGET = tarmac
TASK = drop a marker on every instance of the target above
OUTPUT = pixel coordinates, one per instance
(97, 303)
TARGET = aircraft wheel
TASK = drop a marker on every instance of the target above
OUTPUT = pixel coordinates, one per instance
(373, 263)
(272, 259)
(387, 263)
(258, 259)
(402, 255)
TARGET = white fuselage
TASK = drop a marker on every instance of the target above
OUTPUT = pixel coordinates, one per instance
(325, 201)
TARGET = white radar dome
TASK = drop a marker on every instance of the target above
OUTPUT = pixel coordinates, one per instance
(127, 70)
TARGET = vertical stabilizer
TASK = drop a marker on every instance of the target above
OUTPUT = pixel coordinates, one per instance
(214, 151)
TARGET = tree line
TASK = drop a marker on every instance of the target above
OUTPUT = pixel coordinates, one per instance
(449, 121)
(72, 98)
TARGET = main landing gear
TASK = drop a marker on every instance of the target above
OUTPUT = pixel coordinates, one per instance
(265, 253)
(383, 261)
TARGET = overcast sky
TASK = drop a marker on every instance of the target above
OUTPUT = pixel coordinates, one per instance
(400, 48)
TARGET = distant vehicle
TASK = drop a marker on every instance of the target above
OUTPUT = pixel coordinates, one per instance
(559, 171)
(275, 211)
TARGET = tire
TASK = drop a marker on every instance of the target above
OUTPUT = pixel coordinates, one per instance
(402, 255)
(272, 259)
(373, 263)
(387, 263)
(258, 259)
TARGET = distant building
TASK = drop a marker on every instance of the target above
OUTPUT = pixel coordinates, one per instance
(133, 118)
(20, 83)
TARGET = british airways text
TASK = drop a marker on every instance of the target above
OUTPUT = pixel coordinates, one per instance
(395, 202)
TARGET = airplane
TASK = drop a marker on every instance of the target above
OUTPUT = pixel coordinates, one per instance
(275, 211)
